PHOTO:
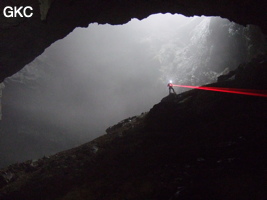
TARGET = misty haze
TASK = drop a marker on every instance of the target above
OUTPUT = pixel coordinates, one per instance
(98, 76)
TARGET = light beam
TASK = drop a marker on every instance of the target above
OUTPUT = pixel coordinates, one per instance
(251, 92)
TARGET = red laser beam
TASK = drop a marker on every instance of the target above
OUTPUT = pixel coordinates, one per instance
(251, 92)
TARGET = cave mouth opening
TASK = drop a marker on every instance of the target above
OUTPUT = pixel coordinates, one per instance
(100, 75)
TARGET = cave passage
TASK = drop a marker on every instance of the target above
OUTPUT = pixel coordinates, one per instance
(100, 75)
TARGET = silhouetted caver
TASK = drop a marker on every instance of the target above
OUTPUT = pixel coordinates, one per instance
(171, 90)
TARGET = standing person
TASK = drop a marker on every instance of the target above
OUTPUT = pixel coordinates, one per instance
(171, 90)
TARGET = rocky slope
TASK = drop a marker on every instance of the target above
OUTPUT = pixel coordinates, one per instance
(197, 145)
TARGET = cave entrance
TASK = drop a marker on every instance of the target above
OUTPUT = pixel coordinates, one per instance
(100, 75)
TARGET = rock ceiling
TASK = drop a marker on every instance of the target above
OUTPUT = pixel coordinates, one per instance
(23, 39)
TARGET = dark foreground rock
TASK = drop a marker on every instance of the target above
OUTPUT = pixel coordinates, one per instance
(198, 145)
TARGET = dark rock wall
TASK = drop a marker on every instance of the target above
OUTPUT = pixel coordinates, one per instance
(23, 39)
